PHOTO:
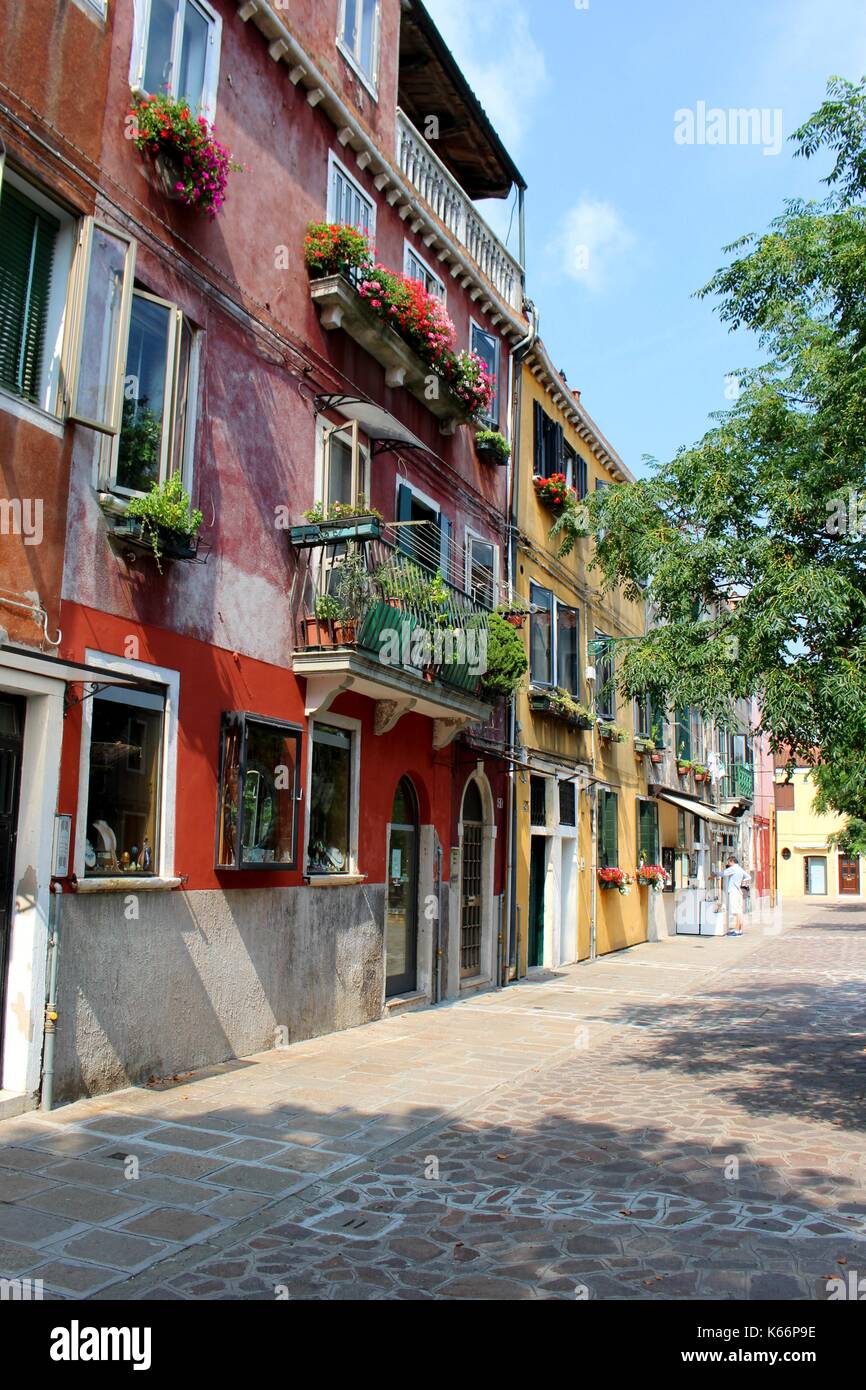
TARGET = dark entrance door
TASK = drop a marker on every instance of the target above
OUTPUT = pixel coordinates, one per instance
(849, 874)
(471, 884)
(11, 743)
(401, 908)
(537, 875)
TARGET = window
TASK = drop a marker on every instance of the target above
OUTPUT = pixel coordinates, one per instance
(175, 49)
(358, 36)
(649, 720)
(124, 783)
(548, 444)
(257, 826)
(424, 533)
(567, 803)
(482, 568)
(333, 783)
(157, 426)
(541, 636)
(784, 796)
(347, 201)
(683, 732)
(554, 641)
(345, 463)
(647, 832)
(567, 659)
(608, 837)
(538, 801)
(605, 678)
(417, 269)
(486, 346)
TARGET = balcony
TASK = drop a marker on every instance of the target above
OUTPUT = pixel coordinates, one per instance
(739, 784)
(370, 618)
(450, 204)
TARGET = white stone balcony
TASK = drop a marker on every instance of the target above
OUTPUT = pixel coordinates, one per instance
(447, 201)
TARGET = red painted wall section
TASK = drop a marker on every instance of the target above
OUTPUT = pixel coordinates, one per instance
(35, 476)
(213, 680)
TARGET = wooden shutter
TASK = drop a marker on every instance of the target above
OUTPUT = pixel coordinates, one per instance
(538, 419)
(647, 844)
(556, 461)
(608, 849)
(27, 238)
(580, 475)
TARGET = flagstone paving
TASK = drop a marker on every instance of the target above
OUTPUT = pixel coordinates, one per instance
(681, 1120)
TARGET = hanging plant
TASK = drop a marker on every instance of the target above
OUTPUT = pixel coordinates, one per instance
(192, 164)
(167, 519)
(553, 491)
(572, 524)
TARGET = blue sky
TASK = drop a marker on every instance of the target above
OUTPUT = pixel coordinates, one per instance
(623, 222)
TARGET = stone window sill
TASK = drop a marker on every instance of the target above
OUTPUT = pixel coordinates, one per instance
(334, 880)
(127, 883)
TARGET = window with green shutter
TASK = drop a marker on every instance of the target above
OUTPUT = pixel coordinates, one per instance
(647, 832)
(608, 847)
(27, 238)
(683, 740)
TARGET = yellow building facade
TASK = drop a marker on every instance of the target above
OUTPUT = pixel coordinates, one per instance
(806, 865)
(578, 795)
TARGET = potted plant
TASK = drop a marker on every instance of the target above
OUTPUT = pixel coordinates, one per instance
(190, 163)
(492, 446)
(163, 521)
(684, 764)
(352, 590)
(612, 878)
(514, 613)
(700, 772)
(507, 662)
(342, 521)
(553, 491)
(611, 733)
(643, 744)
(333, 248)
(319, 629)
(652, 876)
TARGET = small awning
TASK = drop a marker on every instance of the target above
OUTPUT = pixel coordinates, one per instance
(42, 664)
(379, 425)
(697, 808)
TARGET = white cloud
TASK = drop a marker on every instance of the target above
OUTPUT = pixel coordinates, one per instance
(591, 239)
(502, 62)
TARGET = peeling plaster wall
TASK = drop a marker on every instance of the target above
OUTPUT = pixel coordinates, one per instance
(203, 977)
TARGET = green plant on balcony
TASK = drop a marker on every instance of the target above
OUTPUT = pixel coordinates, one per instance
(612, 733)
(701, 772)
(333, 248)
(328, 608)
(167, 518)
(644, 744)
(494, 445)
(320, 513)
(684, 763)
(507, 662)
(353, 587)
(514, 613)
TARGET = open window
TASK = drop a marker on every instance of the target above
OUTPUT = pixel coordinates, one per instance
(486, 346)
(482, 568)
(176, 49)
(100, 325)
(424, 532)
(345, 464)
(259, 792)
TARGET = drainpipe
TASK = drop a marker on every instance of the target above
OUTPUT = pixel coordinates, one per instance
(54, 914)
(518, 353)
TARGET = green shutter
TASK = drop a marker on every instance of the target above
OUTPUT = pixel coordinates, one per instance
(27, 237)
(683, 733)
(608, 849)
(648, 834)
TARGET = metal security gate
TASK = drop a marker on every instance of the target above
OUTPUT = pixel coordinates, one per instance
(470, 920)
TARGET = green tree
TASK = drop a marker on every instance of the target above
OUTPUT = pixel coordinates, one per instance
(750, 546)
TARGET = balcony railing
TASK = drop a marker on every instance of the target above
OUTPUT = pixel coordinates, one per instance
(374, 597)
(739, 784)
(430, 178)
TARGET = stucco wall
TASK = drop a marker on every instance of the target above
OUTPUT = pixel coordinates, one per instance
(201, 977)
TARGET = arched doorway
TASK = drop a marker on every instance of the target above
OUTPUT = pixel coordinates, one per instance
(401, 904)
(471, 882)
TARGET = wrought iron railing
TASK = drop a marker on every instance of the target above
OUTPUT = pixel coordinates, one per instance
(444, 196)
(739, 784)
(375, 597)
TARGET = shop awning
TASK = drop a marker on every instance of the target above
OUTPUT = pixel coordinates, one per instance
(378, 424)
(697, 808)
(56, 668)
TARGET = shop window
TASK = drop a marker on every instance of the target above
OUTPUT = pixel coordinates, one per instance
(259, 792)
(331, 830)
(124, 783)
(175, 49)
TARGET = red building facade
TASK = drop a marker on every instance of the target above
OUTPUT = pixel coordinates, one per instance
(279, 825)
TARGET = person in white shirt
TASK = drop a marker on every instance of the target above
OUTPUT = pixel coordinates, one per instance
(734, 879)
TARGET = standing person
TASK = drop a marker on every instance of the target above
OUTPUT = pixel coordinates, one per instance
(734, 879)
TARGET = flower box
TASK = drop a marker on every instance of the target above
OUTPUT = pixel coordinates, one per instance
(362, 528)
(135, 532)
(542, 703)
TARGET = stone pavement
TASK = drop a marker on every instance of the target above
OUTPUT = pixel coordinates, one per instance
(681, 1120)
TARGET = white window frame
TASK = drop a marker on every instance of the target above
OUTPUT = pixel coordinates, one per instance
(556, 604)
(331, 216)
(97, 9)
(111, 445)
(369, 79)
(409, 250)
(170, 679)
(350, 431)
(353, 728)
(50, 387)
(138, 55)
(475, 326)
(469, 537)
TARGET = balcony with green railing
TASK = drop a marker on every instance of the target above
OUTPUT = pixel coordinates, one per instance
(739, 783)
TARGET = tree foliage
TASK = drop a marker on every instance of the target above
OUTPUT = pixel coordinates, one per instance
(750, 546)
